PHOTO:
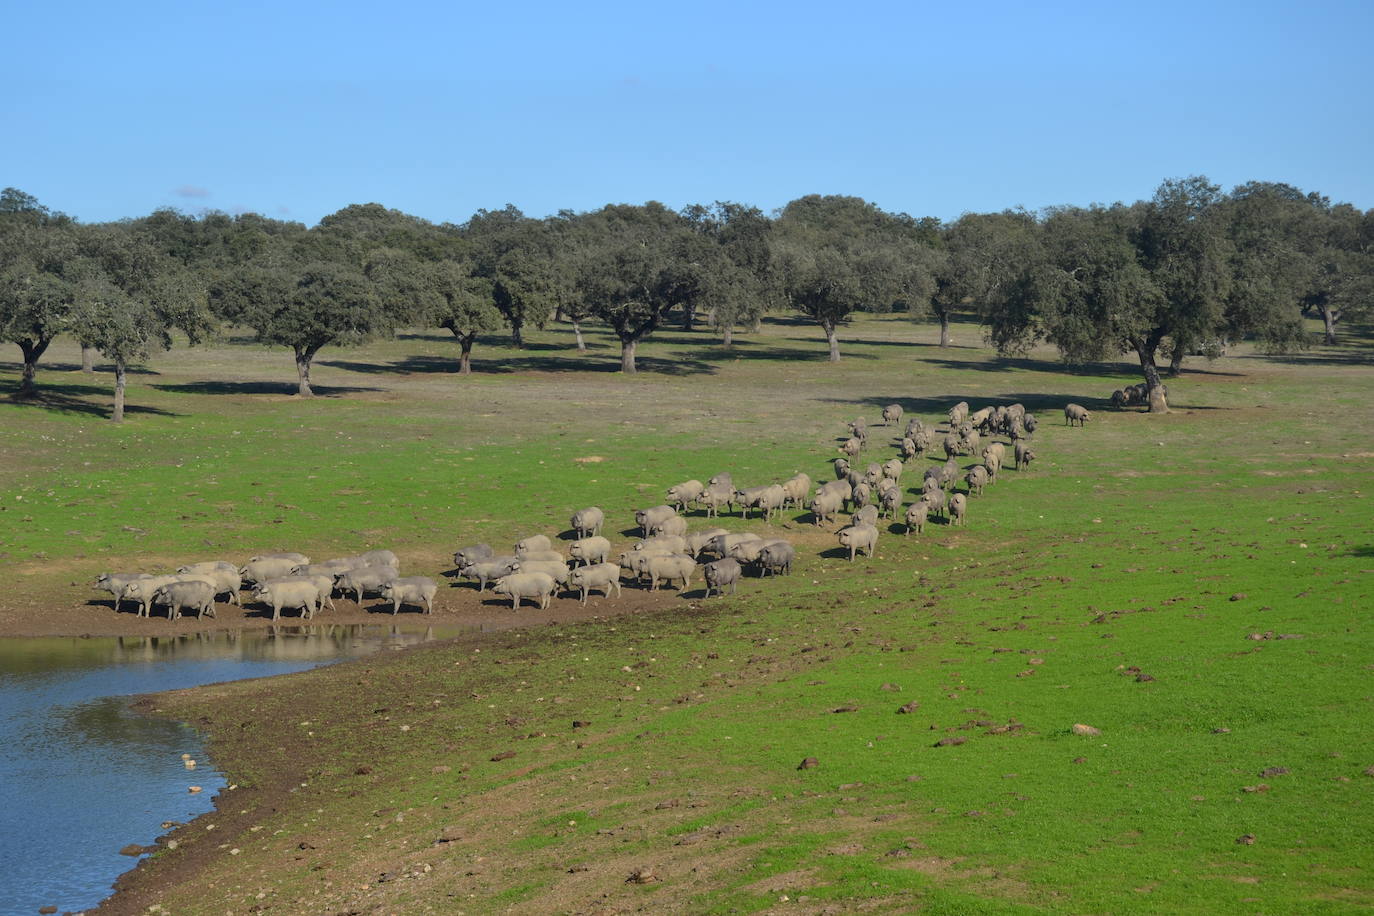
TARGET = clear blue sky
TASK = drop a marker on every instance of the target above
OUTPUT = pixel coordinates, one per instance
(438, 109)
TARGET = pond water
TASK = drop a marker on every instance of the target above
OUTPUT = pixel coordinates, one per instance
(81, 777)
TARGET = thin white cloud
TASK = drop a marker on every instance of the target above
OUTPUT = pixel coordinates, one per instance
(190, 190)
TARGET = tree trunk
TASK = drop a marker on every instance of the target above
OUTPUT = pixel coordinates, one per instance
(1155, 388)
(558, 313)
(32, 351)
(1176, 362)
(1329, 319)
(87, 359)
(577, 333)
(727, 336)
(757, 325)
(627, 355)
(833, 341)
(517, 333)
(303, 358)
(944, 329)
(118, 415)
(26, 386)
(689, 317)
(465, 342)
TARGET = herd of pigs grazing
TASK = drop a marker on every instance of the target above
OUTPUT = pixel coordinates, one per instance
(667, 552)
(877, 493)
(283, 581)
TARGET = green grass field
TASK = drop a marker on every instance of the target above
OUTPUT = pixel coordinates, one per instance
(1196, 585)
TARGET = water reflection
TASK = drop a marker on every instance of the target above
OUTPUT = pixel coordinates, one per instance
(310, 642)
(81, 777)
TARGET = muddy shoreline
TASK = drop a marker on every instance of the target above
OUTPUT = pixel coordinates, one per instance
(236, 807)
(480, 620)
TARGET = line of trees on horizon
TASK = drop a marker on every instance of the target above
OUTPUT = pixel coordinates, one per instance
(1183, 272)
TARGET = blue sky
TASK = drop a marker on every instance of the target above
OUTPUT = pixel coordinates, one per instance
(931, 108)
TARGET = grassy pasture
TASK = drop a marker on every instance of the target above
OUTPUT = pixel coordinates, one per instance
(1119, 584)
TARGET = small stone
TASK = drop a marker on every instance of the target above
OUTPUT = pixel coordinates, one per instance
(644, 875)
(845, 709)
(234, 852)
(1221, 731)
(440, 768)
(504, 755)
(450, 834)
(577, 868)
(1262, 787)
(362, 771)
(665, 805)
(1238, 596)
(952, 741)
(189, 764)
(1246, 840)
(193, 789)
(810, 763)
(1274, 771)
(1080, 760)
(1144, 678)
(47, 909)
(908, 707)
(1087, 730)
(133, 849)
(580, 723)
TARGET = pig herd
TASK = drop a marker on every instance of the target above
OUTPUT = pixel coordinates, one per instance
(667, 552)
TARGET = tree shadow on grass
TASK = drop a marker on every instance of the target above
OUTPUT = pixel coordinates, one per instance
(1046, 407)
(914, 344)
(73, 399)
(1086, 370)
(100, 369)
(1015, 363)
(939, 405)
(1318, 356)
(260, 387)
(747, 351)
(506, 364)
(1364, 552)
(423, 335)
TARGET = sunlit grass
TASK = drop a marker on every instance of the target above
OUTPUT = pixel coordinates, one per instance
(1195, 585)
